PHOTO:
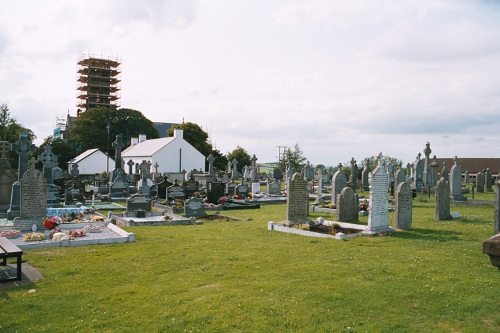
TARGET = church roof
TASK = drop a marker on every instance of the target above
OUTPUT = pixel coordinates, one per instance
(473, 165)
(147, 147)
(85, 154)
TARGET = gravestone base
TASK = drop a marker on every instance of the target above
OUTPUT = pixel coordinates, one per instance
(458, 198)
(26, 224)
(377, 231)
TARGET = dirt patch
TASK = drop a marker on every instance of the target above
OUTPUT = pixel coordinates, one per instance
(329, 230)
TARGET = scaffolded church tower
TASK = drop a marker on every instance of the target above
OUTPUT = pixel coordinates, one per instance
(98, 82)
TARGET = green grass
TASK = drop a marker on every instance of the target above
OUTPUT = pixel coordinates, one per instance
(240, 277)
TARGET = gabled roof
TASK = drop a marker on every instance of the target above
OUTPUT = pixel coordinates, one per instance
(85, 154)
(473, 165)
(147, 147)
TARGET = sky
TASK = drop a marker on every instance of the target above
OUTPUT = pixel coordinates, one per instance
(340, 79)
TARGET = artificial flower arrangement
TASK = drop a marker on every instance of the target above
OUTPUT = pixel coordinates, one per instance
(11, 233)
(52, 222)
(92, 228)
(222, 200)
(34, 236)
(97, 218)
(77, 233)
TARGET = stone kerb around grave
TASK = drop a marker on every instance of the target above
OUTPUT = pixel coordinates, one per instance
(297, 203)
(403, 213)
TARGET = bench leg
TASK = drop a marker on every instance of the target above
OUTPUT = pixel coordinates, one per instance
(19, 262)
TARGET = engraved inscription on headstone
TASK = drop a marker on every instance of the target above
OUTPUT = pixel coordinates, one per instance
(297, 204)
(378, 218)
(33, 193)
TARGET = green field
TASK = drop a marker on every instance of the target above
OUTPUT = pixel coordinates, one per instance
(239, 277)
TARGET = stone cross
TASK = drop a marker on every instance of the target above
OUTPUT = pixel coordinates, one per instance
(235, 164)
(118, 145)
(74, 171)
(144, 169)
(210, 160)
(455, 159)
(4, 149)
(23, 147)
(130, 164)
(379, 159)
(49, 161)
(149, 166)
(32, 163)
(156, 167)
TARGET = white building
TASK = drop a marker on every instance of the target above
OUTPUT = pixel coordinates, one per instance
(173, 154)
(91, 162)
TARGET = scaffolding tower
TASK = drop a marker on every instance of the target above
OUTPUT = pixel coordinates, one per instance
(98, 82)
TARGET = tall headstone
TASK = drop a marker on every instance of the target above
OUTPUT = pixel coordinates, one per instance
(378, 217)
(7, 177)
(456, 182)
(466, 177)
(33, 193)
(211, 160)
(214, 192)
(434, 171)
(255, 171)
(144, 187)
(339, 181)
(119, 183)
(308, 172)
(297, 203)
(444, 172)
(399, 178)
(442, 207)
(427, 180)
(319, 174)
(403, 202)
(364, 177)
(419, 174)
(353, 178)
(488, 180)
(347, 206)
(480, 182)
(234, 172)
(497, 207)
(277, 174)
(23, 147)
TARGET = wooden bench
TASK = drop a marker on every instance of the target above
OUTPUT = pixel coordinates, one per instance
(10, 250)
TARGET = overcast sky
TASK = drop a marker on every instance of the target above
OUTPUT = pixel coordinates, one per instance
(341, 79)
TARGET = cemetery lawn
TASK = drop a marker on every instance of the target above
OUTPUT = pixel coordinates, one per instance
(239, 277)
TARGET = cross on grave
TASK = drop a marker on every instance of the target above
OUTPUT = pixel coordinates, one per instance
(23, 147)
(455, 159)
(210, 160)
(130, 164)
(49, 161)
(74, 171)
(418, 156)
(427, 150)
(118, 145)
(235, 164)
(156, 167)
(144, 169)
(339, 166)
(149, 166)
(379, 157)
(32, 163)
(4, 149)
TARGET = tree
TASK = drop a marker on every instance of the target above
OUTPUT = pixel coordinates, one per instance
(90, 129)
(373, 161)
(9, 128)
(220, 162)
(295, 159)
(241, 155)
(64, 151)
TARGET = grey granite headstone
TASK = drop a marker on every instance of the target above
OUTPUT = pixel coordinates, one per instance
(273, 188)
(347, 206)
(242, 189)
(194, 207)
(297, 203)
(399, 178)
(231, 188)
(175, 191)
(277, 174)
(456, 183)
(480, 182)
(339, 181)
(488, 180)
(466, 177)
(434, 171)
(403, 202)
(364, 178)
(419, 175)
(190, 187)
(378, 217)
(442, 206)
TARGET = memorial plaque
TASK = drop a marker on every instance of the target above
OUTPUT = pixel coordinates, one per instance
(242, 190)
(273, 188)
(231, 188)
(33, 194)
(403, 213)
(194, 207)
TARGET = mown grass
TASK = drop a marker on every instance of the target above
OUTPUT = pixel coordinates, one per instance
(239, 277)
